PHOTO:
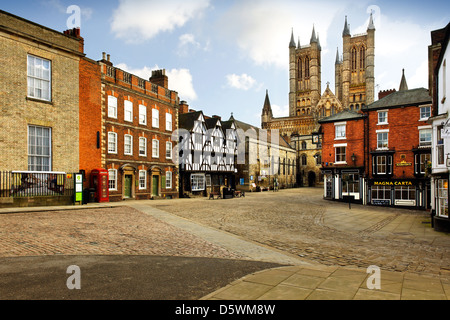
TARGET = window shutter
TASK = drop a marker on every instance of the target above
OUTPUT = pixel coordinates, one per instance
(163, 182)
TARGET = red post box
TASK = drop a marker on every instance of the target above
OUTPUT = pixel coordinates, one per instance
(99, 181)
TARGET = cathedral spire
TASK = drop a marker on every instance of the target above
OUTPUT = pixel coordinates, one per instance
(298, 46)
(292, 43)
(267, 109)
(346, 31)
(371, 25)
(403, 84)
(337, 56)
(313, 36)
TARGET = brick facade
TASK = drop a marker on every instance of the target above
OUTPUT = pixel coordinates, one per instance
(19, 39)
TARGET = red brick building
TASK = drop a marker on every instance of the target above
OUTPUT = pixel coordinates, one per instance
(399, 148)
(139, 118)
(343, 156)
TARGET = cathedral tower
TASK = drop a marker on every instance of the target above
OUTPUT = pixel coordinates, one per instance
(355, 73)
(304, 76)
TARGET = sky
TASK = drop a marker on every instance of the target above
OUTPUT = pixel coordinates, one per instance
(222, 55)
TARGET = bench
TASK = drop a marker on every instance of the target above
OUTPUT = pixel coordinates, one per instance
(215, 192)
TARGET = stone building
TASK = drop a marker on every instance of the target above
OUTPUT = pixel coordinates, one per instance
(39, 90)
(354, 88)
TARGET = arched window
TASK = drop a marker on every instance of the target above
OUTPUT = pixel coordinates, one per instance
(303, 145)
(300, 69)
(354, 54)
(362, 58)
(351, 107)
(307, 67)
(304, 160)
(333, 110)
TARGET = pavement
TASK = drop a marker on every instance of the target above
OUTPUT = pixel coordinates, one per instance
(279, 275)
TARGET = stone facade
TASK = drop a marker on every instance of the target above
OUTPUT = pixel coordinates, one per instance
(20, 39)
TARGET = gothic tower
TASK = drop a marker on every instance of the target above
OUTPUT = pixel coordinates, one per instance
(266, 115)
(355, 73)
(304, 76)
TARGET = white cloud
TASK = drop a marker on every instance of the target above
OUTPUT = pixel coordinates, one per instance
(180, 80)
(139, 20)
(188, 44)
(241, 82)
(262, 32)
(280, 111)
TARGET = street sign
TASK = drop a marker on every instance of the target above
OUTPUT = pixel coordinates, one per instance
(78, 189)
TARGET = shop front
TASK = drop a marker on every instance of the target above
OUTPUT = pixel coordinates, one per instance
(344, 184)
(409, 193)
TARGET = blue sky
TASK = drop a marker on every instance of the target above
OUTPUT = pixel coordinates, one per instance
(221, 56)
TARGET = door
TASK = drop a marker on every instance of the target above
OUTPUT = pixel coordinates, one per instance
(155, 185)
(128, 183)
(329, 186)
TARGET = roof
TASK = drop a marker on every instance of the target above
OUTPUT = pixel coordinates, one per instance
(344, 115)
(186, 120)
(402, 98)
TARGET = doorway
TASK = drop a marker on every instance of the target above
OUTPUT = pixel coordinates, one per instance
(128, 186)
(155, 186)
(311, 179)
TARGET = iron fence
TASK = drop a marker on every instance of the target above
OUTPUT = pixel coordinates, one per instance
(26, 184)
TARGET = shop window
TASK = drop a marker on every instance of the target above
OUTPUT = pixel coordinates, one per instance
(442, 197)
(381, 194)
(405, 195)
(197, 182)
(350, 183)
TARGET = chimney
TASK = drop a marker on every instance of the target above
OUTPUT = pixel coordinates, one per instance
(159, 78)
(382, 94)
(106, 59)
(76, 33)
(184, 107)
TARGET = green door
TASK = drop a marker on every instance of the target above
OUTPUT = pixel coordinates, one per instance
(155, 185)
(128, 186)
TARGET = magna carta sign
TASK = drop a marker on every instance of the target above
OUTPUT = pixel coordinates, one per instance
(393, 183)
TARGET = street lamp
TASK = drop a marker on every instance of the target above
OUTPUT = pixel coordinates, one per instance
(353, 158)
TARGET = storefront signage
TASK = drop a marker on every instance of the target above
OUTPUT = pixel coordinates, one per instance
(404, 164)
(393, 183)
(381, 202)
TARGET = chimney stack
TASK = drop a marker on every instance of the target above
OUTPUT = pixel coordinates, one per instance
(159, 78)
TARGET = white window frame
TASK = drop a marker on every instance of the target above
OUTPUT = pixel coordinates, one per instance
(155, 148)
(386, 117)
(168, 150)
(155, 118)
(340, 130)
(168, 179)
(112, 107)
(442, 197)
(382, 132)
(111, 134)
(198, 182)
(381, 165)
(142, 114)
(112, 173)
(128, 110)
(424, 118)
(142, 179)
(169, 119)
(344, 145)
(144, 154)
(125, 144)
(425, 143)
(34, 146)
(39, 78)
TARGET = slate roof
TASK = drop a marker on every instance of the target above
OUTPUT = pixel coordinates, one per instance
(186, 120)
(402, 98)
(344, 115)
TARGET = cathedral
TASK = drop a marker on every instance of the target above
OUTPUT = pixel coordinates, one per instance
(354, 88)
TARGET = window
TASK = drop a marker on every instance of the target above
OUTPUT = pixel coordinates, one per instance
(112, 142)
(422, 161)
(112, 182)
(362, 58)
(442, 195)
(168, 122)
(142, 179)
(39, 148)
(128, 110)
(303, 145)
(425, 137)
(197, 182)
(382, 140)
(350, 183)
(112, 107)
(354, 52)
(318, 158)
(155, 148)
(405, 193)
(155, 118)
(142, 114)
(340, 154)
(128, 144)
(440, 146)
(142, 146)
(382, 117)
(381, 193)
(304, 160)
(169, 180)
(340, 131)
(168, 150)
(382, 164)
(425, 112)
(39, 78)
